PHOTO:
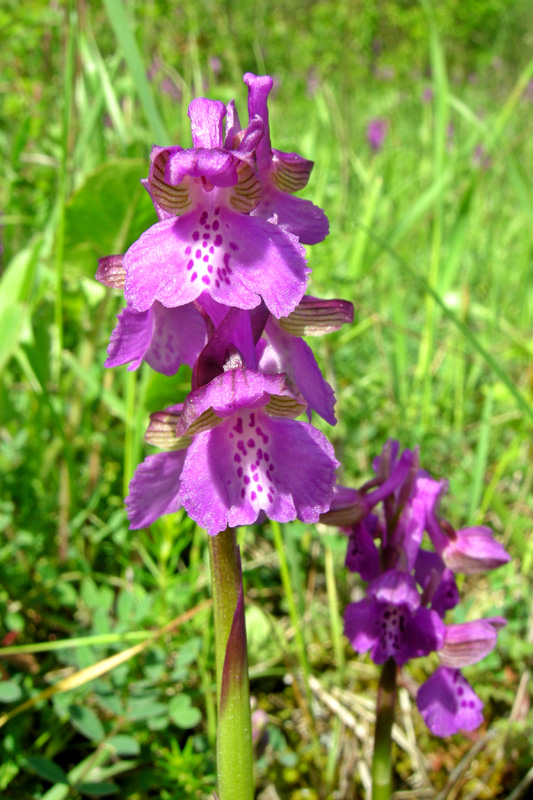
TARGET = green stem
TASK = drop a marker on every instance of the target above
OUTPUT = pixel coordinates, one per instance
(382, 761)
(235, 776)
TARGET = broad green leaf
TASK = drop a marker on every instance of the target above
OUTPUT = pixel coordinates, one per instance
(124, 745)
(12, 320)
(145, 708)
(87, 723)
(46, 769)
(107, 214)
(183, 713)
(17, 280)
(10, 692)
(98, 789)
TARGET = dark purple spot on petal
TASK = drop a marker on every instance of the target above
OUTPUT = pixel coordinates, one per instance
(216, 225)
(206, 280)
(217, 211)
(210, 268)
(188, 250)
(211, 249)
(217, 284)
(206, 236)
(207, 227)
(269, 498)
(225, 259)
(243, 492)
(190, 265)
(250, 443)
(198, 253)
(238, 426)
(259, 487)
(194, 276)
(218, 240)
(239, 472)
(204, 244)
(205, 259)
(259, 454)
(237, 458)
(246, 480)
(253, 495)
(234, 246)
(196, 236)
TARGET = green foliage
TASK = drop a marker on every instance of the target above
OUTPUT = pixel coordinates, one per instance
(431, 240)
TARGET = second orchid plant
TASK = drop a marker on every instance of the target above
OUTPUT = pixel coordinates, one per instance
(219, 283)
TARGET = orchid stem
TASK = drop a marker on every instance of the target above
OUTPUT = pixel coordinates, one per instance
(382, 760)
(235, 775)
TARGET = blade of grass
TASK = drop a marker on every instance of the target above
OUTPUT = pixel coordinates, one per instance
(121, 25)
(470, 337)
(482, 451)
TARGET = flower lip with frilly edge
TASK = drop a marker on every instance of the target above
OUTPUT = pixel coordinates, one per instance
(212, 244)
(248, 457)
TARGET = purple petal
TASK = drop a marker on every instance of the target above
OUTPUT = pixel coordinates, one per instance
(259, 87)
(468, 642)
(155, 488)
(362, 555)
(474, 550)
(234, 390)
(446, 595)
(236, 258)
(395, 588)
(286, 353)
(251, 464)
(238, 332)
(165, 338)
(218, 166)
(448, 703)
(130, 339)
(298, 216)
(206, 122)
(424, 632)
(233, 124)
(362, 624)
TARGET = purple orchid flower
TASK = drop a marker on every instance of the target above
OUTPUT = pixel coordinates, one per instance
(282, 174)
(391, 623)
(207, 240)
(411, 588)
(376, 132)
(247, 457)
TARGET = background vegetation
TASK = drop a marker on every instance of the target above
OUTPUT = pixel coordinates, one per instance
(431, 238)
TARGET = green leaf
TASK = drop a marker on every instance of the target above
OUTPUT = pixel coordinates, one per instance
(124, 745)
(98, 789)
(10, 692)
(11, 324)
(121, 25)
(183, 713)
(46, 769)
(107, 214)
(87, 723)
(144, 708)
